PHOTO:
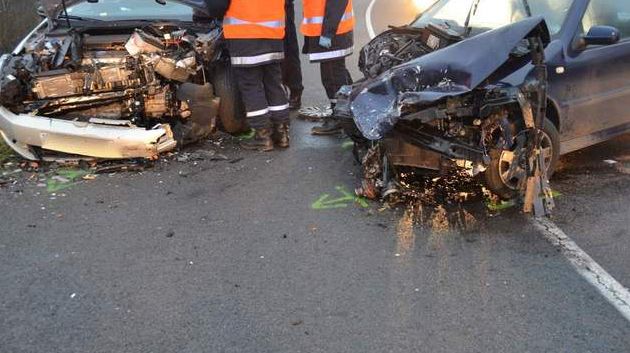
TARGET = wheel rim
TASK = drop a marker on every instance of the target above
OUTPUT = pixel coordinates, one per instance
(510, 170)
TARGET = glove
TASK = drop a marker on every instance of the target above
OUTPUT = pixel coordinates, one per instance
(325, 42)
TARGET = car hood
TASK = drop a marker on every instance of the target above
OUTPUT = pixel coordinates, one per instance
(458, 69)
(52, 8)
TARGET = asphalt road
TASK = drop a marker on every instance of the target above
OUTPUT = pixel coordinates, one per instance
(231, 256)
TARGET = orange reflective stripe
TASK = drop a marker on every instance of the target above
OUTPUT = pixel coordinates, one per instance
(246, 19)
(314, 12)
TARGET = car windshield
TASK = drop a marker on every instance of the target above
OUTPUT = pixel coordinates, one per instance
(117, 10)
(471, 17)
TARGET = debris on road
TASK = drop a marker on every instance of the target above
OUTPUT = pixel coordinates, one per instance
(66, 173)
(64, 178)
(315, 114)
(131, 166)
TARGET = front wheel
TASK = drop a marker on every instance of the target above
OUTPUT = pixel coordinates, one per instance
(231, 110)
(505, 173)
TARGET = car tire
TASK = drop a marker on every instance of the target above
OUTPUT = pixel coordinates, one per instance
(231, 111)
(507, 189)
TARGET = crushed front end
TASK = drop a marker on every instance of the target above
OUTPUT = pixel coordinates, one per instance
(109, 93)
(458, 107)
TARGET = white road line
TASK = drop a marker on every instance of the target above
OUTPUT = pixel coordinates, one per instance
(368, 20)
(614, 292)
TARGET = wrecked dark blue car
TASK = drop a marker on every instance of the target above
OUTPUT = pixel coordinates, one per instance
(464, 85)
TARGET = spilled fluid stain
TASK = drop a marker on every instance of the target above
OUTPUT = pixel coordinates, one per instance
(405, 235)
(443, 205)
(445, 211)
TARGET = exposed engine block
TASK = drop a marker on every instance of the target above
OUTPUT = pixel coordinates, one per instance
(400, 45)
(113, 76)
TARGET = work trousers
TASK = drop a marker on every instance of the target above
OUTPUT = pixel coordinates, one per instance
(265, 100)
(334, 75)
(291, 67)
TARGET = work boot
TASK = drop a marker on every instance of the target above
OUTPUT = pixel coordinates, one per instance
(295, 100)
(329, 127)
(281, 136)
(260, 142)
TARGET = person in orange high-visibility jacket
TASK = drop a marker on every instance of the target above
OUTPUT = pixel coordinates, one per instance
(254, 31)
(328, 27)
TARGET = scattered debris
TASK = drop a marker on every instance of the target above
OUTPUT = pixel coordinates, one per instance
(63, 174)
(315, 114)
(131, 166)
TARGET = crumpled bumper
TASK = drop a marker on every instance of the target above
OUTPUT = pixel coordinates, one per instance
(97, 139)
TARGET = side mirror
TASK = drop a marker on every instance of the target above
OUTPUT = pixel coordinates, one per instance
(601, 35)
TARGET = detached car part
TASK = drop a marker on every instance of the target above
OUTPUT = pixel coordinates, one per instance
(98, 139)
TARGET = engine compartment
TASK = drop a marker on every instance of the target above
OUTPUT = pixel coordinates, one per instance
(399, 45)
(131, 75)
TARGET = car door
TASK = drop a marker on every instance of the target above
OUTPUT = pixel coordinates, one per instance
(597, 78)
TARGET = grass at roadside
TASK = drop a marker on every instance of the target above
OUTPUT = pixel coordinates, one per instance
(5, 152)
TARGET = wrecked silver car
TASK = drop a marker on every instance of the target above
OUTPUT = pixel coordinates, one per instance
(111, 79)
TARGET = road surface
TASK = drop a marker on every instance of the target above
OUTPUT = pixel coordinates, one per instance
(232, 256)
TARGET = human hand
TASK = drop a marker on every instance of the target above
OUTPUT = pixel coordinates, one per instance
(325, 42)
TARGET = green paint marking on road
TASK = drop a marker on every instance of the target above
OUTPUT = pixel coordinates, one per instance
(247, 135)
(347, 145)
(344, 199)
(64, 179)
